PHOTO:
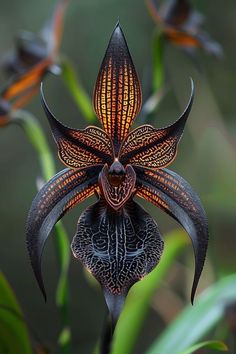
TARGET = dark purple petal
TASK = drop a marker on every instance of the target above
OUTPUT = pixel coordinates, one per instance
(175, 196)
(64, 191)
(118, 248)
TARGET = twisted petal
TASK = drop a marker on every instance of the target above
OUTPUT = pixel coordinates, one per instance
(175, 196)
(117, 196)
(80, 148)
(64, 191)
(154, 148)
(117, 94)
(118, 248)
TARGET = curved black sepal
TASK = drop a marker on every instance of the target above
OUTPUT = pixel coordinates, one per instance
(170, 192)
(177, 127)
(58, 129)
(64, 191)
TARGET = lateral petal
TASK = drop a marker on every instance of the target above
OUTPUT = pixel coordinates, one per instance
(117, 93)
(118, 248)
(64, 191)
(79, 148)
(154, 148)
(175, 196)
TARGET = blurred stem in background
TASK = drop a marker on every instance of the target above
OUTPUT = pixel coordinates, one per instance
(81, 98)
(36, 138)
(158, 80)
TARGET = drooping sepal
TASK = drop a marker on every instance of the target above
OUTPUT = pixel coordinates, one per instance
(117, 93)
(118, 248)
(154, 148)
(64, 191)
(79, 148)
(175, 196)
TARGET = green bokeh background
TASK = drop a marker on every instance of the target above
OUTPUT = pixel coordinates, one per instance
(207, 153)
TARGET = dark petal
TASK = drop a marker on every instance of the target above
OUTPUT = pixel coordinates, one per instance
(118, 248)
(80, 148)
(174, 195)
(117, 196)
(117, 94)
(154, 148)
(64, 191)
(176, 12)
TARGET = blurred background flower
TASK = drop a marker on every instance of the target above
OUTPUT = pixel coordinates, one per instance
(181, 24)
(34, 55)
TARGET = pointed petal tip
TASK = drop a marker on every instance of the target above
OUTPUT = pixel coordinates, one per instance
(192, 85)
(117, 33)
(117, 24)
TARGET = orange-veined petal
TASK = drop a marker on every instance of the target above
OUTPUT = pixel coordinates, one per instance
(117, 94)
(80, 148)
(154, 148)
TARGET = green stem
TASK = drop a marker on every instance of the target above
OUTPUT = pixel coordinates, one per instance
(35, 136)
(76, 89)
(158, 62)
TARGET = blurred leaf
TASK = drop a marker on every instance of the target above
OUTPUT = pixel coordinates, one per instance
(195, 321)
(65, 340)
(81, 98)
(158, 62)
(139, 298)
(14, 337)
(36, 138)
(208, 344)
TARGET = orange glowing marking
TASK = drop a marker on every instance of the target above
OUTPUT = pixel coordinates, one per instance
(117, 95)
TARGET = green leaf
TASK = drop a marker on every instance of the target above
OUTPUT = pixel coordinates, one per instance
(138, 300)
(158, 62)
(14, 337)
(211, 344)
(195, 322)
(80, 96)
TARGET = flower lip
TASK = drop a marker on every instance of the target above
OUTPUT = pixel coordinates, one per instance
(116, 173)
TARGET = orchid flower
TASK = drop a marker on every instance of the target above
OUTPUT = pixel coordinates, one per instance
(116, 239)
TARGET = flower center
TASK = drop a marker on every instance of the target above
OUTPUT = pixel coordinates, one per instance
(116, 173)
